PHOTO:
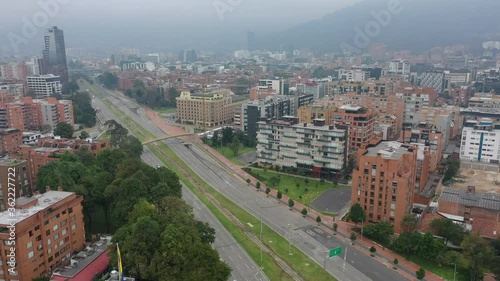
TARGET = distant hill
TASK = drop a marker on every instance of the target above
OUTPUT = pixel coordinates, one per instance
(419, 26)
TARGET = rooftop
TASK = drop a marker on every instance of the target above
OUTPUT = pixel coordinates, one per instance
(10, 162)
(388, 150)
(86, 264)
(45, 200)
(484, 200)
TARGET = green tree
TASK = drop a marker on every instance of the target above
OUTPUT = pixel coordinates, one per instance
(452, 168)
(409, 224)
(258, 185)
(117, 133)
(335, 227)
(248, 181)
(70, 88)
(268, 190)
(357, 214)
(279, 195)
(84, 135)
(64, 130)
(109, 80)
(380, 232)
(42, 278)
(373, 250)
(318, 219)
(291, 203)
(449, 230)
(304, 212)
(420, 274)
(173, 94)
(353, 237)
(235, 146)
(227, 136)
(82, 109)
(166, 243)
(477, 254)
(407, 243)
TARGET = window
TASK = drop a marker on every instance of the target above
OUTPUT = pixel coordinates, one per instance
(73, 227)
(49, 242)
(56, 227)
(56, 236)
(49, 251)
(29, 245)
(73, 217)
(63, 223)
(30, 255)
(47, 232)
(64, 232)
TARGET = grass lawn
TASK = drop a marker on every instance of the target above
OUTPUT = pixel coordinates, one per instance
(445, 272)
(315, 187)
(228, 153)
(104, 136)
(165, 110)
(300, 262)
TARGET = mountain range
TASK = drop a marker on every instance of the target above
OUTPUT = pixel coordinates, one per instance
(402, 25)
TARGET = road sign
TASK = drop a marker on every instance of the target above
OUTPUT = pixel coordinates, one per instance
(335, 252)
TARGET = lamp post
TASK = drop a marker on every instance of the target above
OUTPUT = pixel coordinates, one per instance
(362, 220)
(289, 240)
(260, 235)
(455, 271)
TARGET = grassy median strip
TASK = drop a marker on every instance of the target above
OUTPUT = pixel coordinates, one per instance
(300, 262)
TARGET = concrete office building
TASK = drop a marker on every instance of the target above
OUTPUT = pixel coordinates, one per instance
(45, 86)
(399, 67)
(312, 148)
(415, 98)
(481, 141)
(279, 85)
(318, 90)
(49, 228)
(384, 182)
(271, 108)
(54, 54)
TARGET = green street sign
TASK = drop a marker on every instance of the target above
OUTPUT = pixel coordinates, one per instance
(335, 252)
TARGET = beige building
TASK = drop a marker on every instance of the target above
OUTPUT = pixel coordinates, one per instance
(211, 109)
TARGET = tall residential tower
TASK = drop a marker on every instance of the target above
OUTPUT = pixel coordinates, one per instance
(54, 54)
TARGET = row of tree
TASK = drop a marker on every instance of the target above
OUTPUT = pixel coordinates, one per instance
(235, 139)
(477, 255)
(83, 111)
(156, 230)
(153, 97)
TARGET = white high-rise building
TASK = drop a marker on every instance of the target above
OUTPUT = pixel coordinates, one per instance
(45, 85)
(481, 141)
(399, 67)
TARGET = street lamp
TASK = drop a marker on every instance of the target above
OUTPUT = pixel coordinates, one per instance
(260, 235)
(289, 240)
(455, 271)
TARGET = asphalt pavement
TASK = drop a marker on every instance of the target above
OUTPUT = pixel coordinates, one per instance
(357, 266)
(242, 265)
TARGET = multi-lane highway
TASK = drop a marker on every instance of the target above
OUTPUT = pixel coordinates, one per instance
(302, 233)
(243, 267)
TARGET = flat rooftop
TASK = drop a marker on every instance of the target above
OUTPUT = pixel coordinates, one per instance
(10, 162)
(45, 200)
(87, 263)
(388, 150)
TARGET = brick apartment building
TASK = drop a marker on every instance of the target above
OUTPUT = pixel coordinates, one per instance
(32, 114)
(10, 141)
(361, 123)
(48, 229)
(416, 98)
(384, 181)
(426, 134)
(49, 150)
(18, 173)
(257, 93)
(479, 210)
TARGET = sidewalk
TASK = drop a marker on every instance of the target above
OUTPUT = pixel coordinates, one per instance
(384, 256)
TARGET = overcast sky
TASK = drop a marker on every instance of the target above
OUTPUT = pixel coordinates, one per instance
(159, 24)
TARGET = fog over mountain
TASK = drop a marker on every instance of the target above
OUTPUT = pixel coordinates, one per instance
(217, 25)
(418, 26)
(159, 24)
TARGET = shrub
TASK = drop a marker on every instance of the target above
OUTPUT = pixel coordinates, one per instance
(304, 212)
